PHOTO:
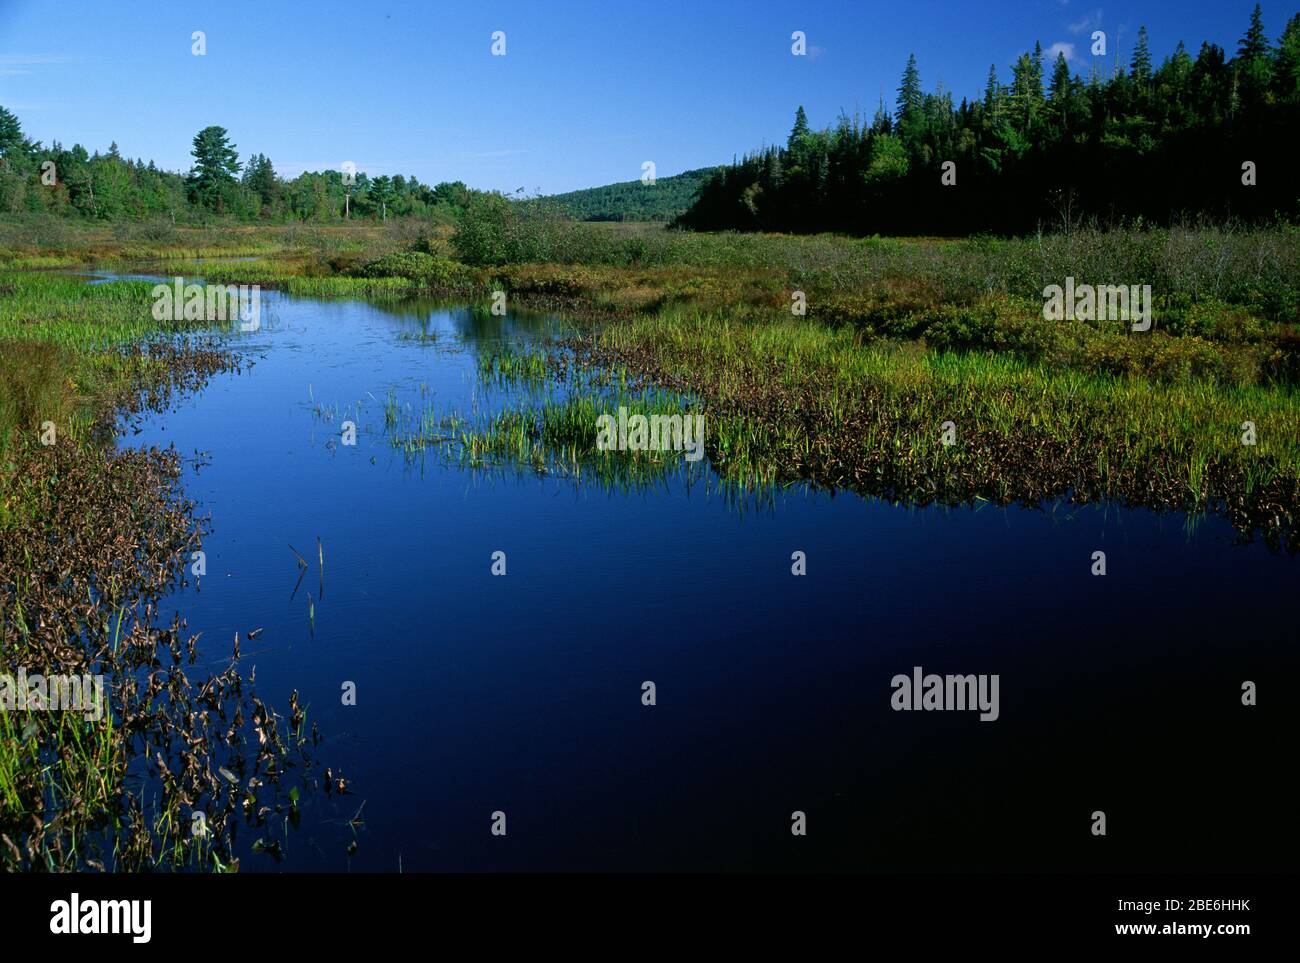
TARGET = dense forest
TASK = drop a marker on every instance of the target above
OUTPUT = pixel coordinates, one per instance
(1152, 143)
(109, 187)
(663, 200)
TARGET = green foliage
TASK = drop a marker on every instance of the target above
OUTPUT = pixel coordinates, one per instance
(427, 268)
(1158, 143)
(663, 200)
(888, 162)
(109, 187)
(493, 230)
(216, 163)
(260, 178)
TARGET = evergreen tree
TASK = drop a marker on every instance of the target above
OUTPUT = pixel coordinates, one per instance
(11, 134)
(799, 131)
(993, 95)
(381, 195)
(216, 162)
(260, 178)
(1027, 91)
(1060, 92)
(1253, 65)
(1255, 42)
(1286, 77)
(1140, 67)
(909, 92)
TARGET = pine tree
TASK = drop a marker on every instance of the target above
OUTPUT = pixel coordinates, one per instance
(799, 131)
(381, 194)
(1027, 91)
(260, 178)
(1061, 83)
(1253, 66)
(216, 162)
(909, 92)
(1141, 64)
(1287, 75)
(11, 134)
(1255, 42)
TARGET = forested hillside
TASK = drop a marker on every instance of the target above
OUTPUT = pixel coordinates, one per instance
(1196, 135)
(663, 200)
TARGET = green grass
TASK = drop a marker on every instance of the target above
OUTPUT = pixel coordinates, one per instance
(798, 398)
(924, 330)
(509, 366)
(553, 435)
(59, 354)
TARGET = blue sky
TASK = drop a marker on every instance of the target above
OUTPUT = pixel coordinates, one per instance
(585, 93)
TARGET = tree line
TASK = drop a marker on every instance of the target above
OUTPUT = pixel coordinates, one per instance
(1196, 136)
(72, 182)
(663, 200)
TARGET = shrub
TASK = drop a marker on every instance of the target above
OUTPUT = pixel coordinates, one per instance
(494, 231)
(426, 268)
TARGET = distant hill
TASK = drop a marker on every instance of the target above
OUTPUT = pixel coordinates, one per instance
(633, 201)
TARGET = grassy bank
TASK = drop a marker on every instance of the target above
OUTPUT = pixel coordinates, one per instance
(896, 337)
(90, 538)
(870, 417)
(71, 354)
(901, 336)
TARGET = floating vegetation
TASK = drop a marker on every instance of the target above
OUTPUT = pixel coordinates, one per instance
(509, 366)
(420, 337)
(392, 413)
(90, 539)
(556, 435)
(795, 400)
(149, 785)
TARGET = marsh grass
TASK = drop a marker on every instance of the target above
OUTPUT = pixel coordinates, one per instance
(79, 582)
(551, 434)
(796, 399)
(90, 537)
(69, 352)
(900, 334)
(511, 366)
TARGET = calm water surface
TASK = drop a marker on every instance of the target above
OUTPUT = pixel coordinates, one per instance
(522, 693)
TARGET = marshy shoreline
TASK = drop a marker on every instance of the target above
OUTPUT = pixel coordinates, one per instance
(899, 339)
(92, 536)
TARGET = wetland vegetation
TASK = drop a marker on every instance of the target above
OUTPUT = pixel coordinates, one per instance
(916, 370)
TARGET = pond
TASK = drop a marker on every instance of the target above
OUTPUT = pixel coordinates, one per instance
(482, 696)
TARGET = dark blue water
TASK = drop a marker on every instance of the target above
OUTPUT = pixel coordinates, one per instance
(523, 694)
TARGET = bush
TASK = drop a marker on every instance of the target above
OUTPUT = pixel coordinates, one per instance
(426, 268)
(494, 231)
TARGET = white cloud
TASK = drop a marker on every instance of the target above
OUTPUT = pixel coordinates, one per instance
(1090, 22)
(1060, 47)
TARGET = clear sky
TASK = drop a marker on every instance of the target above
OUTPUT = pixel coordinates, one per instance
(586, 92)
